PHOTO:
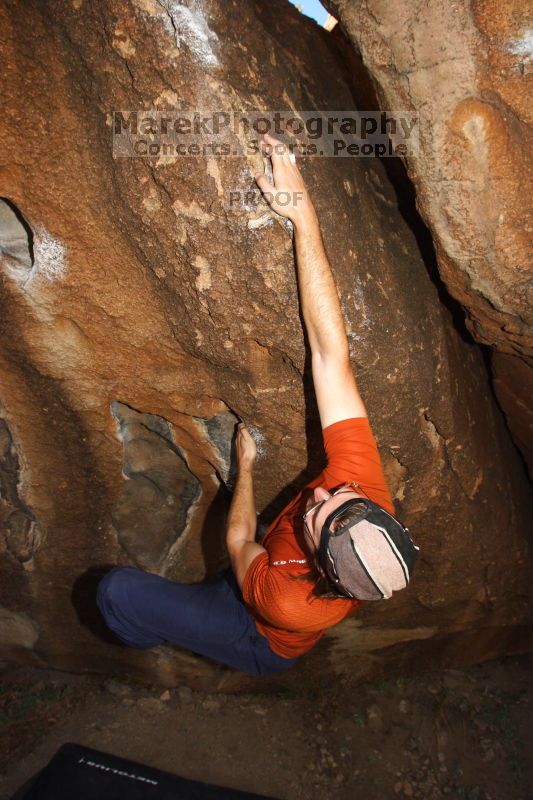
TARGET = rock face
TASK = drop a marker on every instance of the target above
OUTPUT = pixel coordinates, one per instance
(464, 69)
(141, 316)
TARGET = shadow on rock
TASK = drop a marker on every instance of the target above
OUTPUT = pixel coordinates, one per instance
(83, 598)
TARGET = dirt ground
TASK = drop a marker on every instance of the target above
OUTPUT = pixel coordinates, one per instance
(456, 733)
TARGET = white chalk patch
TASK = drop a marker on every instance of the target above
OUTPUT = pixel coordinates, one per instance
(259, 439)
(361, 318)
(287, 224)
(49, 256)
(187, 24)
(524, 46)
(260, 222)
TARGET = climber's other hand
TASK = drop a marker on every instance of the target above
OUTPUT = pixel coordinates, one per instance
(245, 448)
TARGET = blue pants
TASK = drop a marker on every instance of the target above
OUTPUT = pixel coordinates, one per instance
(145, 610)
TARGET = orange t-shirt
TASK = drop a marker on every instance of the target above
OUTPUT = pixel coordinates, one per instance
(283, 609)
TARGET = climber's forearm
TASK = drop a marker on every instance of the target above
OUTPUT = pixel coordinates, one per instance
(336, 390)
(318, 293)
(242, 516)
(242, 524)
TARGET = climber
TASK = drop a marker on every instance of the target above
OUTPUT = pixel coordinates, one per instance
(335, 545)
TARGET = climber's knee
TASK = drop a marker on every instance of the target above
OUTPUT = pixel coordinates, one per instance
(114, 598)
(110, 594)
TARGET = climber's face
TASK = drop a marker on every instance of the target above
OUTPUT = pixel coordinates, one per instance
(320, 505)
(316, 499)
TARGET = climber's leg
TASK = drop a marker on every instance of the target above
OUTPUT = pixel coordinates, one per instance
(210, 618)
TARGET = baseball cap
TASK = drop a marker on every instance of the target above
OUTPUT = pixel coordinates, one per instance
(366, 552)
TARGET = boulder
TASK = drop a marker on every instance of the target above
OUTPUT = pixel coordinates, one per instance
(464, 70)
(143, 314)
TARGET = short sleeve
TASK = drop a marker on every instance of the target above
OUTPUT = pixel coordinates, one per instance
(254, 574)
(352, 455)
(280, 601)
(261, 592)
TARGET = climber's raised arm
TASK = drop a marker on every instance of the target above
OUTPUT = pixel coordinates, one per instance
(336, 390)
